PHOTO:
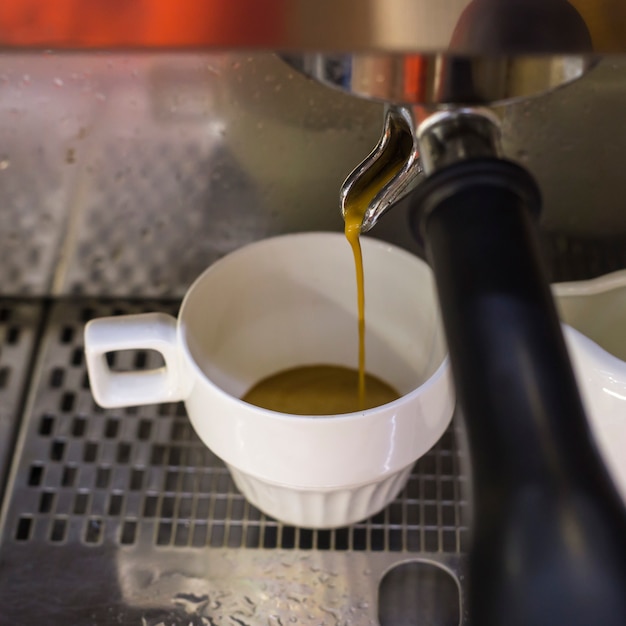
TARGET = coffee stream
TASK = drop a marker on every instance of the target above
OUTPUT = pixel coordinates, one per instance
(328, 389)
(354, 213)
(353, 221)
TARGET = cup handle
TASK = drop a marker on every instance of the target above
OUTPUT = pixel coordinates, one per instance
(145, 331)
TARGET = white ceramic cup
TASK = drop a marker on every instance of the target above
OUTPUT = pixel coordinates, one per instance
(281, 303)
(594, 312)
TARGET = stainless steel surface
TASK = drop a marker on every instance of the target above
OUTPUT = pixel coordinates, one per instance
(128, 175)
(123, 516)
(571, 141)
(440, 79)
(328, 25)
(448, 137)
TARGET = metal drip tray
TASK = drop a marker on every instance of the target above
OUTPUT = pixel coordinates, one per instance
(125, 517)
(19, 324)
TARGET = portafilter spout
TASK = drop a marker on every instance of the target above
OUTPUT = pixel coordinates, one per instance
(394, 168)
(389, 172)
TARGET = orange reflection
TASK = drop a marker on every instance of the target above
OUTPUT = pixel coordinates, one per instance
(415, 78)
(139, 23)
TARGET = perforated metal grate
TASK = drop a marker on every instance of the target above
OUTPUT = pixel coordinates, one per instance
(570, 258)
(141, 476)
(19, 322)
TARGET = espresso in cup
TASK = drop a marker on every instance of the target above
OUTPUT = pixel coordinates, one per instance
(330, 389)
(320, 390)
(266, 311)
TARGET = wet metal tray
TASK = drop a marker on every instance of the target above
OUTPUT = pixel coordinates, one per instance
(125, 517)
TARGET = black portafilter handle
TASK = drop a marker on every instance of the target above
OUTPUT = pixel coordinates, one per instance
(549, 537)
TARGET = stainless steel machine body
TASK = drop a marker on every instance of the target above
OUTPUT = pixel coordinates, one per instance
(122, 176)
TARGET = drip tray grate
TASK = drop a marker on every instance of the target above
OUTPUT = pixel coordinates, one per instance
(19, 324)
(91, 485)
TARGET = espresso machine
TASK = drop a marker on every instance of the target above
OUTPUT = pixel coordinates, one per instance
(140, 143)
